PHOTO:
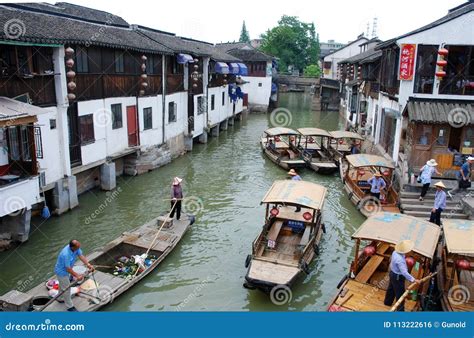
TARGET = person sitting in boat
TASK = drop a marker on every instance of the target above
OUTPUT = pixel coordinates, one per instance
(64, 270)
(355, 147)
(271, 145)
(398, 273)
(294, 175)
(377, 183)
(176, 197)
(439, 203)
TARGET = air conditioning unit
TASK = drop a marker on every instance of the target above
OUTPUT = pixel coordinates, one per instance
(42, 179)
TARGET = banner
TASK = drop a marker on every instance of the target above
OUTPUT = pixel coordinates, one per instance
(407, 62)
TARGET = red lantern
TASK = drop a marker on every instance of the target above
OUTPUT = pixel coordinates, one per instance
(341, 141)
(277, 138)
(307, 216)
(361, 172)
(386, 173)
(441, 74)
(463, 264)
(442, 63)
(274, 212)
(410, 262)
(443, 52)
(471, 84)
(369, 250)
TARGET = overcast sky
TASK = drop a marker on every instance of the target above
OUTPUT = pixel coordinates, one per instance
(221, 21)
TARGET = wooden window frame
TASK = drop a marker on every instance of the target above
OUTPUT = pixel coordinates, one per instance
(86, 129)
(82, 60)
(172, 112)
(213, 101)
(147, 118)
(119, 62)
(117, 116)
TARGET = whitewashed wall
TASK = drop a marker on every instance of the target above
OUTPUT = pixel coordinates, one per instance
(199, 119)
(258, 95)
(342, 54)
(176, 128)
(153, 136)
(219, 113)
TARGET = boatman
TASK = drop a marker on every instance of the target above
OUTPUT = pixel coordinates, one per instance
(294, 175)
(377, 183)
(63, 270)
(439, 203)
(176, 197)
(398, 273)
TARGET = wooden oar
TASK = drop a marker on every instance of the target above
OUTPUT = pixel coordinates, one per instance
(407, 291)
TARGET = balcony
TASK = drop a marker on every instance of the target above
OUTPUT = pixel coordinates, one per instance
(19, 195)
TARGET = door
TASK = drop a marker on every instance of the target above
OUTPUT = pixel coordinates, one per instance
(74, 136)
(190, 113)
(132, 126)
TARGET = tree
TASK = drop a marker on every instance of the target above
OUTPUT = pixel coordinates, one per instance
(312, 71)
(244, 34)
(294, 42)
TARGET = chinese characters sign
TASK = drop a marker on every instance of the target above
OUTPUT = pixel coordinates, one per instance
(407, 62)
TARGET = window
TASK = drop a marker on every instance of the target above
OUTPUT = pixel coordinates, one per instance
(259, 84)
(423, 134)
(116, 116)
(442, 136)
(459, 77)
(327, 64)
(153, 65)
(25, 144)
(38, 142)
(118, 62)
(200, 105)
(14, 143)
(172, 110)
(213, 101)
(147, 118)
(223, 98)
(82, 61)
(425, 68)
(86, 129)
(468, 141)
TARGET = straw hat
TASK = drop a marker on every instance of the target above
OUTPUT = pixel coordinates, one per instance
(177, 181)
(378, 174)
(440, 185)
(432, 163)
(292, 172)
(405, 246)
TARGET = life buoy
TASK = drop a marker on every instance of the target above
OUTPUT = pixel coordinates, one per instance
(362, 124)
(341, 141)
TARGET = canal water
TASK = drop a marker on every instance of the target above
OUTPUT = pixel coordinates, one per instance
(227, 178)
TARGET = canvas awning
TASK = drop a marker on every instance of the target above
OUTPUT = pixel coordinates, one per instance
(314, 132)
(365, 160)
(233, 68)
(184, 58)
(280, 131)
(306, 194)
(441, 112)
(14, 113)
(393, 228)
(346, 134)
(221, 68)
(243, 70)
(459, 235)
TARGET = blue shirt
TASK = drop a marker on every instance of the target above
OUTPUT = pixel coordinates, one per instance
(296, 178)
(376, 183)
(398, 265)
(440, 200)
(426, 174)
(66, 259)
(466, 169)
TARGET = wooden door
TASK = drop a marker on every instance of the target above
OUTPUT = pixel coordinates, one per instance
(75, 157)
(191, 113)
(132, 126)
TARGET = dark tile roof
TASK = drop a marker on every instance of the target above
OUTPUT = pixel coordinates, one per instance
(364, 57)
(51, 29)
(227, 46)
(441, 111)
(244, 51)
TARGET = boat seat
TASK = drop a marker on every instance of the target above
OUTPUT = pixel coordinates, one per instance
(371, 266)
(305, 238)
(291, 154)
(274, 230)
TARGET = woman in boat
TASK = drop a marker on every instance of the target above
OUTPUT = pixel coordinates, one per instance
(176, 197)
(355, 147)
(377, 183)
(425, 176)
(398, 273)
(439, 203)
(294, 175)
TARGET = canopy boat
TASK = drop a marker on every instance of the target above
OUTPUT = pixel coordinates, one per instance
(364, 287)
(279, 144)
(342, 142)
(360, 168)
(456, 275)
(289, 239)
(120, 265)
(314, 144)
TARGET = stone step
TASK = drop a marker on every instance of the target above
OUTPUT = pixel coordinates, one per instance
(426, 215)
(426, 201)
(427, 208)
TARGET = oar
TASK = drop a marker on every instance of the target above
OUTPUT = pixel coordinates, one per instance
(60, 293)
(407, 291)
(96, 287)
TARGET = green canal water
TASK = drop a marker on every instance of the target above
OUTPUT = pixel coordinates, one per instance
(229, 175)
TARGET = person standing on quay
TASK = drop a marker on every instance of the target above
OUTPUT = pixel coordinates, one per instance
(464, 176)
(439, 203)
(176, 197)
(425, 176)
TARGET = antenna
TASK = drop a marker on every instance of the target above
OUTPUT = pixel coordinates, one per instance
(374, 28)
(368, 29)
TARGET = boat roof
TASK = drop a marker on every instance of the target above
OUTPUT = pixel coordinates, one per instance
(307, 194)
(459, 235)
(346, 134)
(393, 228)
(280, 131)
(366, 160)
(314, 132)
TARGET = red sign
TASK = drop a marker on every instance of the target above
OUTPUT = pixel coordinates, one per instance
(407, 62)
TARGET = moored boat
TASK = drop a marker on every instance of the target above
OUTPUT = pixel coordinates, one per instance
(290, 238)
(342, 142)
(364, 287)
(314, 144)
(360, 168)
(155, 240)
(279, 144)
(456, 269)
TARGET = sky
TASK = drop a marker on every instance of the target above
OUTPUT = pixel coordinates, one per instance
(221, 21)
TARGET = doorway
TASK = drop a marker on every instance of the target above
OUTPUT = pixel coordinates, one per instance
(132, 126)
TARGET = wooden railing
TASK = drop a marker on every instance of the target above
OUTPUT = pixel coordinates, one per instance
(174, 83)
(39, 87)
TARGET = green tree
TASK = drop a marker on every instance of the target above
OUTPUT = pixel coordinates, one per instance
(244, 34)
(294, 42)
(312, 71)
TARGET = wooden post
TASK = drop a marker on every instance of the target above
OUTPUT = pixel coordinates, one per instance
(356, 257)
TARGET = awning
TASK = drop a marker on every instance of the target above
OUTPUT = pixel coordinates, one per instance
(306, 194)
(14, 113)
(314, 132)
(459, 235)
(441, 112)
(346, 134)
(221, 68)
(280, 131)
(243, 70)
(365, 160)
(393, 228)
(184, 58)
(234, 68)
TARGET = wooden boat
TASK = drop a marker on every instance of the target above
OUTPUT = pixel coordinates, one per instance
(341, 143)
(289, 240)
(360, 168)
(314, 144)
(110, 286)
(364, 287)
(456, 273)
(279, 144)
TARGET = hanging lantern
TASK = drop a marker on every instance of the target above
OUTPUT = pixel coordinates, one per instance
(442, 63)
(141, 92)
(144, 58)
(71, 96)
(386, 173)
(71, 86)
(196, 60)
(144, 76)
(69, 51)
(195, 85)
(410, 262)
(70, 63)
(463, 264)
(143, 67)
(443, 52)
(307, 216)
(440, 74)
(196, 67)
(369, 250)
(70, 74)
(274, 212)
(144, 84)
